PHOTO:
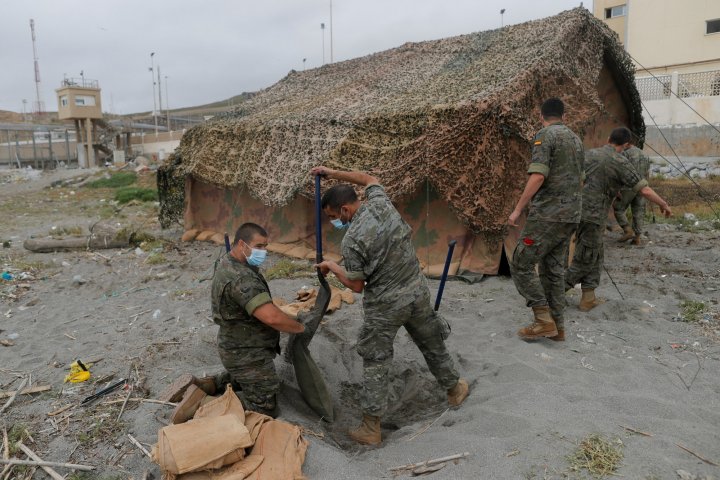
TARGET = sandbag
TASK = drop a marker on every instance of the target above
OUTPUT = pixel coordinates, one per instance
(254, 422)
(189, 235)
(204, 235)
(191, 446)
(283, 447)
(311, 382)
(238, 471)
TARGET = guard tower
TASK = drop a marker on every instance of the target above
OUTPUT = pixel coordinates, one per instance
(79, 100)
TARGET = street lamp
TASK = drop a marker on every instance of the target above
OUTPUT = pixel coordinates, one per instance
(152, 77)
(322, 31)
(304, 59)
(502, 23)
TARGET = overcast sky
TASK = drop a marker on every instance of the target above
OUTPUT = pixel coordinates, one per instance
(211, 50)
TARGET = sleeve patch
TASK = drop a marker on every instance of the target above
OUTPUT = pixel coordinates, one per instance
(538, 142)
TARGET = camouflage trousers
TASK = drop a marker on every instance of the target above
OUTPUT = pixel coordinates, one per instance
(636, 202)
(251, 371)
(544, 244)
(587, 261)
(375, 345)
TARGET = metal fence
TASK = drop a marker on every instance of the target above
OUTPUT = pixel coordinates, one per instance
(689, 85)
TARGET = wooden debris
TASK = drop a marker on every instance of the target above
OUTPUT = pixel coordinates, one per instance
(26, 391)
(144, 400)
(122, 409)
(12, 397)
(59, 410)
(72, 466)
(413, 466)
(424, 470)
(7, 343)
(645, 434)
(139, 445)
(709, 462)
(34, 456)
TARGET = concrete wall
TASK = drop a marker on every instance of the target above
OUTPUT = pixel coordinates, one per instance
(158, 146)
(667, 35)
(687, 141)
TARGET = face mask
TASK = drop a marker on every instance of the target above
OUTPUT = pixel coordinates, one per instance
(337, 223)
(257, 257)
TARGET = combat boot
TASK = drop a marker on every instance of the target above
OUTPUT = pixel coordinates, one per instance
(458, 393)
(628, 235)
(368, 433)
(543, 326)
(588, 301)
(560, 337)
(637, 240)
(191, 401)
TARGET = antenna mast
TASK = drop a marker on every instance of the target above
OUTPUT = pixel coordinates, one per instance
(39, 104)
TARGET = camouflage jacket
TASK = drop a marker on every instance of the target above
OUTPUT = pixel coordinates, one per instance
(639, 160)
(606, 171)
(559, 156)
(237, 290)
(378, 248)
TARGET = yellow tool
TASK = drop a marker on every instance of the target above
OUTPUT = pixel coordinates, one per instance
(78, 372)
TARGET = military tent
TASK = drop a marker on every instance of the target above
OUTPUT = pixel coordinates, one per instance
(445, 124)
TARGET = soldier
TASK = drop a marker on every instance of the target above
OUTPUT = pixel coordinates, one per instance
(553, 191)
(250, 325)
(380, 260)
(641, 164)
(606, 170)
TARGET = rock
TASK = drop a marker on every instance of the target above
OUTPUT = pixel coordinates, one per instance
(690, 217)
(78, 280)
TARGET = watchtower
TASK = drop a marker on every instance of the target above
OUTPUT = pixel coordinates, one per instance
(79, 100)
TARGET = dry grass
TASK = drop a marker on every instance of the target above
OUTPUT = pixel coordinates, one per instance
(598, 455)
(285, 268)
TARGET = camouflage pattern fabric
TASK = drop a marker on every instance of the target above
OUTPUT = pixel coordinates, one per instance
(378, 249)
(588, 257)
(558, 155)
(641, 163)
(246, 346)
(606, 172)
(546, 245)
(427, 329)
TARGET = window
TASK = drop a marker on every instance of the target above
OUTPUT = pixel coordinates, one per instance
(85, 100)
(618, 11)
(64, 101)
(712, 26)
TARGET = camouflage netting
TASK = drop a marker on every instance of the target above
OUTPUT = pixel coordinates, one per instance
(460, 112)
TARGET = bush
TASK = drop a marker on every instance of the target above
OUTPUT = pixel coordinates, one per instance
(116, 180)
(124, 195)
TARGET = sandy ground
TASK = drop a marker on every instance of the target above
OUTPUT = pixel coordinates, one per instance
(630, 362)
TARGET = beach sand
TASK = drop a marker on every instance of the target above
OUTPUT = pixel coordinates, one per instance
(629, 362)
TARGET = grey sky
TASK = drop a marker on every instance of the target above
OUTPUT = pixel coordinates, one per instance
(214, 49)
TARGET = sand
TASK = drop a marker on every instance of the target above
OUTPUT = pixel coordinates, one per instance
(628, 362)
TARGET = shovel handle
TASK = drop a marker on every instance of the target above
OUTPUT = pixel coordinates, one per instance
(446, 269)
(227, 243)
(318, 224)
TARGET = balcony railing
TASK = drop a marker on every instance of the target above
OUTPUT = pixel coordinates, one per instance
(685, 85)
(79, 82)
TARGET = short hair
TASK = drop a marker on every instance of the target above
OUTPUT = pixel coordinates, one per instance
(620, 136)
(338, 196)
(552, 108)
(247, 231)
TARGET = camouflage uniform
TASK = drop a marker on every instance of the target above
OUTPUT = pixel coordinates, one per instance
(378, 248)
(606, 172)
(246, 346)
(628, 197)
(554, 214)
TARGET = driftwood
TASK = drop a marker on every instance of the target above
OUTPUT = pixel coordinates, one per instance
(427, 463)
(72, 466)
(102, 236)
(34, 456)
(26, 391)
(134, 441)
(12, 397)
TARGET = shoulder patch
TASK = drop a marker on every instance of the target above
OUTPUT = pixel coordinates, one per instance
(538, 142)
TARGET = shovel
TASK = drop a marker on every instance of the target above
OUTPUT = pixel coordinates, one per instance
(308, 375)
(446, 269)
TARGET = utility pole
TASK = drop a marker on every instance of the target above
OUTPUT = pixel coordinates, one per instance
(331, 35)
(152, 77)
(167, 104)
(159, 93)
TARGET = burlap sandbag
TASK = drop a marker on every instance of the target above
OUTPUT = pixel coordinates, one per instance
(191, 446)
(254, 422)
(283, 448)
(226, 404)
(238, 471)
